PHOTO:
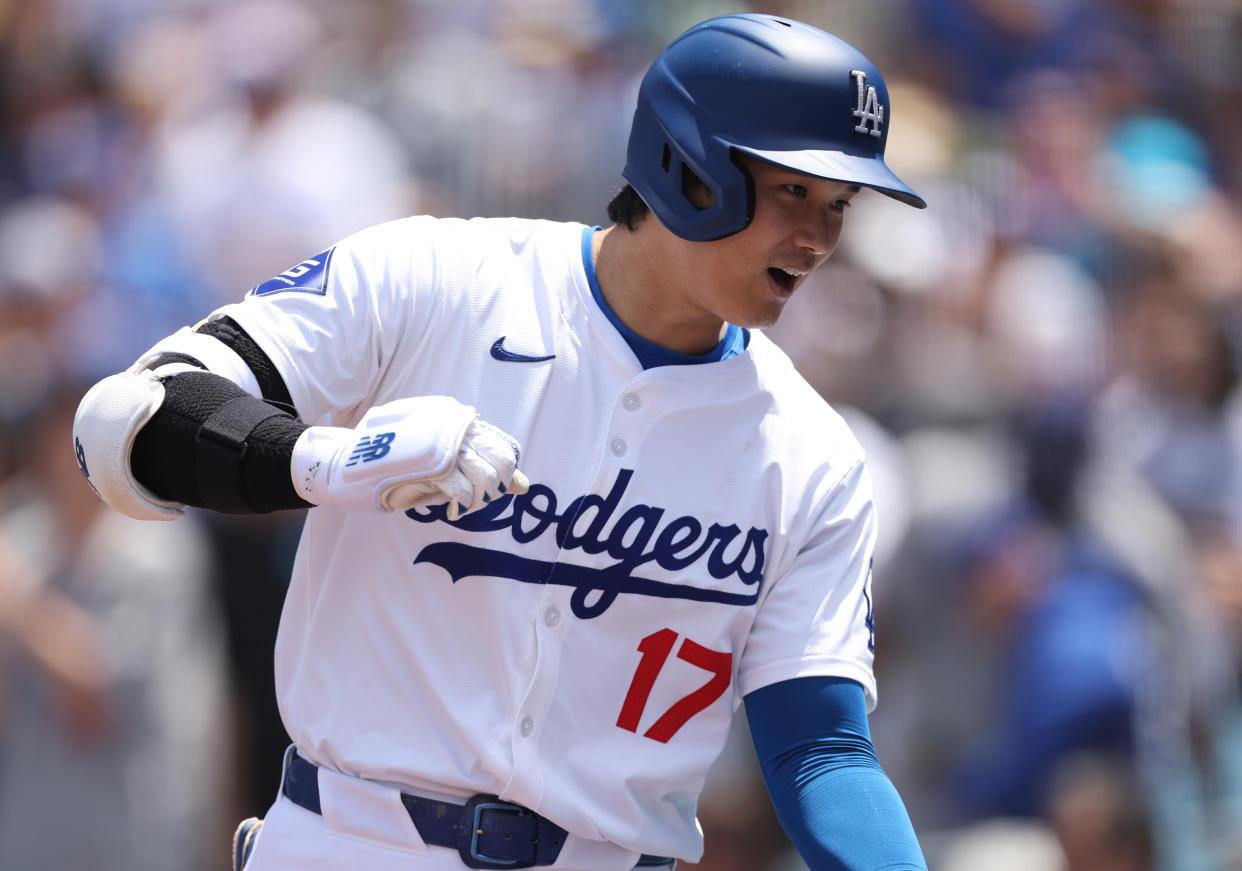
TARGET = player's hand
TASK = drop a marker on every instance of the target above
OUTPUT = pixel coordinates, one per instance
(486, 468)
(415, 452)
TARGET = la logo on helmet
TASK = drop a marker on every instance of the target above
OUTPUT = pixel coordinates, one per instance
(868, 111)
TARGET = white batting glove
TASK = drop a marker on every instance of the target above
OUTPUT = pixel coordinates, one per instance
(415, 452)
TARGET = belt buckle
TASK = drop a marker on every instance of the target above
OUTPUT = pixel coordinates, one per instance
(468, 847)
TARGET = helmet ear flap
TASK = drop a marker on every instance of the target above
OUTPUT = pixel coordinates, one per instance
(730, 188)
(695, 190)
(664, 185)
(735, 157)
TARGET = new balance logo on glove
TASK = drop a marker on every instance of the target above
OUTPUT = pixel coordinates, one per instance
(371, 448)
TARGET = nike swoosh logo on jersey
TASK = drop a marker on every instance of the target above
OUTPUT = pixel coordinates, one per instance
(500, 352)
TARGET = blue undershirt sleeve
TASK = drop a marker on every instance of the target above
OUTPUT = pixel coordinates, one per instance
(833, 799)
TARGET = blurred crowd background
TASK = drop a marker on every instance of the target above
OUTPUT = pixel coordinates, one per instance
(1043, 367)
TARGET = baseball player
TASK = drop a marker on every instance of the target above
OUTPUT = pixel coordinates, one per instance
(571, 507)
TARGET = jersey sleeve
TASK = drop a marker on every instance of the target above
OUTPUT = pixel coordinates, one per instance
(333, 323)
(816, 618)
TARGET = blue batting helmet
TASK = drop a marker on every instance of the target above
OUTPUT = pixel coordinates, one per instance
(780, 90)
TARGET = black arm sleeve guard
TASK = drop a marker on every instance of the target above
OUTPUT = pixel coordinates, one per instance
(229, 332)
(167, 456)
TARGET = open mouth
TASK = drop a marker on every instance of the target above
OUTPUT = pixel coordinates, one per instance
(784, 277)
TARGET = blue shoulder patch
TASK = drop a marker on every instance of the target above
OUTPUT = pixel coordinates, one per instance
(309, 276)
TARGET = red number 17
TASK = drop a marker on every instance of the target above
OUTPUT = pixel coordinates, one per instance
(655, 649)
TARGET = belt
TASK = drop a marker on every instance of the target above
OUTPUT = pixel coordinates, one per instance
(486, 832)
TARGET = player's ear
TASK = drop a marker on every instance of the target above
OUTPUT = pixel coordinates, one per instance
(694, 190)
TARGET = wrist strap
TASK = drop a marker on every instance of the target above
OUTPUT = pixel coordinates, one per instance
(221, 448)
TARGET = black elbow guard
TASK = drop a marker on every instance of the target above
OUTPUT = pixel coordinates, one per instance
(213, 445)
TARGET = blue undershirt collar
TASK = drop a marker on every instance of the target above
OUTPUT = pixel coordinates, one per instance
(649, 353)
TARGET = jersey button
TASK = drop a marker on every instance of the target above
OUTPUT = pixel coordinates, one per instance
(552, 616)
(632, 402)
(526, 727)
(619, 447)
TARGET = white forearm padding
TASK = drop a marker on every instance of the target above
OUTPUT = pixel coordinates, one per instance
(108, 419)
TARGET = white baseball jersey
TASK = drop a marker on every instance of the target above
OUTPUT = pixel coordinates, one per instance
(692, 533)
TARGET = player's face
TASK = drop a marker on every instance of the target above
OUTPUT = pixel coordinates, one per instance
(747, 278)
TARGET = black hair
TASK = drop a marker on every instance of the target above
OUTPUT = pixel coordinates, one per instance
(627, 207)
